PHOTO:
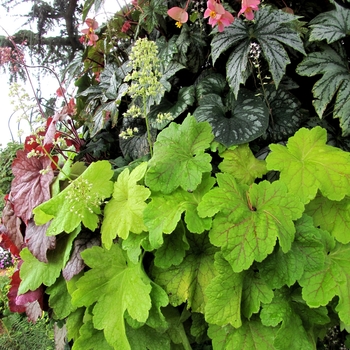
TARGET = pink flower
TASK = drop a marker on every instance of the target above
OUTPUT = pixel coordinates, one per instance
(218, 15)
(90, 36)
(60, 91)
(179, 15)
(248, 6)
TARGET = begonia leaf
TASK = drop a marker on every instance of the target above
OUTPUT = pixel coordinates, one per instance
(332, 216)
(34, 273)
(124, 212)
(307, 164)
(187, 281)
(173, 250)
(306, 254)
(250, 219)
(114, 285)
(31, 185)
(320, 286)
(37, 241)
(78, 202)
(224, 295)
(76, 263)
(173, 206)
(179, 159)
(284, 310)
(241, 163)
(251, 335)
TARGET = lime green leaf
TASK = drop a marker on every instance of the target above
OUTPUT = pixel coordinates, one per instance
(250, 219)
(331, 26)
(306, 254)
(331, 216)
(173, 206)
(124, 212)
(74, 321)
(224, 294)
(270, 29)
(34, 273)
(145, 338)
(115, 285)
(291, 334)
(159, 299)
(78, 202)
(240, 121)
(335, 82)
(187, 281)
(179, 158)
(319, 287)
(133, 245)
(241, 163)
(308, 164)
(252, 335)
(173, 250)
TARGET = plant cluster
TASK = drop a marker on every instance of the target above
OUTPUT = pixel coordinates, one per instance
(203, 201)
(5, 259)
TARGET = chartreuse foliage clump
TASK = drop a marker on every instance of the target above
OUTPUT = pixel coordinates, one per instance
(225, 257)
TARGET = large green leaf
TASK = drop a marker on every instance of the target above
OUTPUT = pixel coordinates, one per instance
(173, 206)
(335, 82)
(270, 29)
(124, 212)
(322, 285)
(78, 202)
(179, 158)
(250, 219)
(308, 164)
(333, 216)
(186, 282)
(330, 26)
(240, 121)
(114, 285)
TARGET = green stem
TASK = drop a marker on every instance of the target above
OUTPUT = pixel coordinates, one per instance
(149, 136)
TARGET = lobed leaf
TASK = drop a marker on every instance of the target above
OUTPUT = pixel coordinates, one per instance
(307, 164)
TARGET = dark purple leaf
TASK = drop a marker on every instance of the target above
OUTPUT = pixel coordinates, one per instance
(76, 264)
(13, 226)
(31, 185)
(37, 241)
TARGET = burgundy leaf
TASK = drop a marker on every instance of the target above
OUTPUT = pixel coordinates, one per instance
(37, 241)
(13, 227)
(34, 311)
(76, 264)
(31, 185)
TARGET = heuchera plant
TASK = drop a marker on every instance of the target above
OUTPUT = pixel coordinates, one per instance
(206, 205)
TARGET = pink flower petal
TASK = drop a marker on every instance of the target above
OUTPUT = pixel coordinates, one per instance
(178, 14)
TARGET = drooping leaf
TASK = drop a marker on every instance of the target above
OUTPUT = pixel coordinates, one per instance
(209, 83)
(239, 121)
(320, 286)
(179, 159)
(173, 205)
(115, 285)
(31, 185)
(34, 273)
(124, 212)
(241, 163)
(333, 216)
(307, 164)
(270, 29)
(251, 335)
(250, 219)
(331, 25)
(186, 282)
(291, 334)
(306, 254)
(37, 241)
(335, 82)
(78, 202)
